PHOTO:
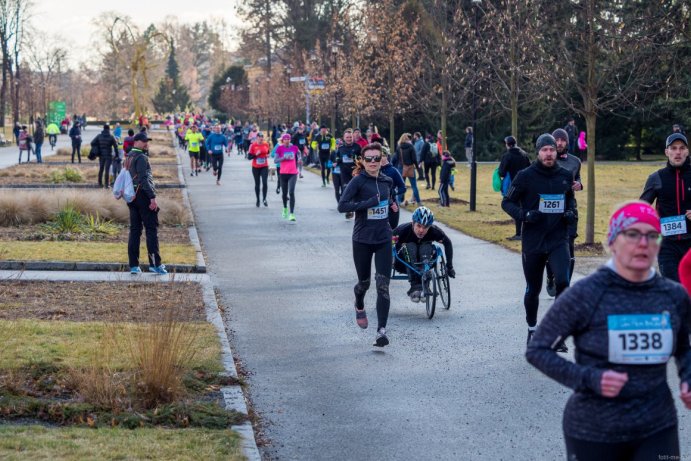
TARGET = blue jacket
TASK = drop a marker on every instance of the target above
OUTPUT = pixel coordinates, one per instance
(215, 143)
(398, 182)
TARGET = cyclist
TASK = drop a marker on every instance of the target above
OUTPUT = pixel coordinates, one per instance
(573, 164)
(259, 154)
(194, 139)
(627, 322)
(541, 196)
(216, 144)
(669, 187)
(344, 159)
(52, 131)
(324, 144)
(288, 156)
(414, 245)
(369, 196)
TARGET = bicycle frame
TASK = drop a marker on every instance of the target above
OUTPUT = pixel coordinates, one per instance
(425, 266)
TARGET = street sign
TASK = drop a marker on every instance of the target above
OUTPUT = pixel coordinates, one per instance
(316, 83)
(298, 79)
(56, 111)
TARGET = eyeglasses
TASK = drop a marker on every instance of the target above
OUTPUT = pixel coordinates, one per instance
(372, 159)
(634, 236)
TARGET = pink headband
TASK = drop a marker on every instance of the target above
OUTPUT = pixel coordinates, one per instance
(630, 214)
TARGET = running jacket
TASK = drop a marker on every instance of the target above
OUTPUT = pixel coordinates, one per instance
(261, 154)
(573, 164)
(288, 158)
(550, 230)
(406, 234)
(671, 187)
(215, 143)
(645, 404)
(369, 198)
(324, 144)
(346, 155)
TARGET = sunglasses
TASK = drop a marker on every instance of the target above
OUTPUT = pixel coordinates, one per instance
(372, 159)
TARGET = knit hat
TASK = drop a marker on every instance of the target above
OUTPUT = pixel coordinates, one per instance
(560, 133)
(630, 214)
(545, 140)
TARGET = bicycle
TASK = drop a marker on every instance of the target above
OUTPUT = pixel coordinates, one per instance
(433, 274)
(52, 139)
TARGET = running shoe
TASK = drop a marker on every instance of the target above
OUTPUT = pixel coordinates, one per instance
(136, 270)
(218, 183)
(530, 336)
(361, 318)
(291, 217)
(278, 191)
(265, 203)
(561, 347)
(415, 296)
(257, 203)
(301, 176)
(381, 340)
(192, 174)
(323, 185)
(158, 270)
(551, 287)
(285, 213)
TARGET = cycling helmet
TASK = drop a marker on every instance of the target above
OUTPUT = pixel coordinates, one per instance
(423, 216)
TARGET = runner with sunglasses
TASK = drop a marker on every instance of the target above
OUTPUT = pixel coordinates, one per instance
(368, 195)
(627, 322)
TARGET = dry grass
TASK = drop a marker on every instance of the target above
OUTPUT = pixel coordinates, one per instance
(74, 173)
(32, 207)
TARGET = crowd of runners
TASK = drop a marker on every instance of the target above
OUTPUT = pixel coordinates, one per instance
(626, 320)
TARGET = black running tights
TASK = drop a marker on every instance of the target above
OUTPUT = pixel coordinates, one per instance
(661, 445)
(288, 182)
(262, 173)
(362, 255)
(534, 267)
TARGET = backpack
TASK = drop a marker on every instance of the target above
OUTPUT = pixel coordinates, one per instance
(123, 187)
(433, 150)
(95, 148)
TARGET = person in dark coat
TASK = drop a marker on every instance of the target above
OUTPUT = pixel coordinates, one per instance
(76, 137)
(107, 149)
(514, 160)
(408, 158)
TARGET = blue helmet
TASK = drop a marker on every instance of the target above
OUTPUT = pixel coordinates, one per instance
(423, 216)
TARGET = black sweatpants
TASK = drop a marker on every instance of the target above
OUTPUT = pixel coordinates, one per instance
(77, 149)
(534, 267)
(338, 186)
(671, 252)
(288, 182)
(104, 163)
(141, 217)
(217, 164)
(263, 174)
(362, 256)
(431, 169)
(444, 193)
(661, 445)
(326, 172)
(572, 260)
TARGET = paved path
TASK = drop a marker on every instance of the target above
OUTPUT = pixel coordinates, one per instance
(455, 387)
(9, 155)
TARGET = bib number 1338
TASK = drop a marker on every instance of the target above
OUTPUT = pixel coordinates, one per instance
(640, 339)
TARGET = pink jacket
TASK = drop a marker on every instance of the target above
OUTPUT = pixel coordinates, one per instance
(288, 157)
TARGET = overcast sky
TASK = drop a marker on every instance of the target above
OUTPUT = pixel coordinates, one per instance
(72, 20)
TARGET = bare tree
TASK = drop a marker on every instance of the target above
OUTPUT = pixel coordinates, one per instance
(47, 63)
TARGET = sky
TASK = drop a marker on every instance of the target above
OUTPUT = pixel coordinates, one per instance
(71, 21)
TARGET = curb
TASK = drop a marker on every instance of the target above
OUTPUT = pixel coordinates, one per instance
(79, 186)
(11, 265)
(233, 396)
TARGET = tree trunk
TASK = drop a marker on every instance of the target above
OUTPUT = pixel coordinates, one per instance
(590, 120)
(444, 111)
(639, 135)
(392, 136)
(15, 108)
(3, 91)
(514, 94)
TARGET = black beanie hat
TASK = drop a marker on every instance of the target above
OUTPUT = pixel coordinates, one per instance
(510, 141)
(560, 133)
(545, 140)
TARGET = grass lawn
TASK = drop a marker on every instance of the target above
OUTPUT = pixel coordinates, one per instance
(41, 443)
(616, 183)
(91, 252)
(73, 344)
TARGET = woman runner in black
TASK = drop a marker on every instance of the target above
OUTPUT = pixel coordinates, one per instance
(368, 194)
(627, 322)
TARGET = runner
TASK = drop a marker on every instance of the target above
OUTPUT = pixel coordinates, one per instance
(627, 322)
(358, 139)
(194, 139)
(300, 140)
(573, 164)
(216, 144)
(414, 244)
(398, 188)
(259, 154)
(288, 156)
(369, 196)
(541, 195)
(239, 142)
(324, 144)
(670, 188)
(344, 159)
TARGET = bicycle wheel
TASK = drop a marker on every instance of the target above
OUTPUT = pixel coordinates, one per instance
(429, 291)
(444, 286)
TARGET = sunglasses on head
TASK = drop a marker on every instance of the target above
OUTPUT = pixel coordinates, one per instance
(372, 159)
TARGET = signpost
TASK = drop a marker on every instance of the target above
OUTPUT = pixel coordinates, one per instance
(56, 112)
(311, 84)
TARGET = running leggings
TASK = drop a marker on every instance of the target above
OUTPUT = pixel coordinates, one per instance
(262, 173)
(338, 186)
(326, 172)
(661, 445)
(671, 253)
(572, 260)
(288, 182)
(533, 268)
(217, 164)
(362, 255)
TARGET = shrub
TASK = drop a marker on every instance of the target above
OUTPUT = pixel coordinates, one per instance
(73, 175)
(67, 221)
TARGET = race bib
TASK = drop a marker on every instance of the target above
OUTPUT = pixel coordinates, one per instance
(640, 339)
(552, 203)
(380, 211)
(194, 144)
(337, 170)
(218, 148)
(673, 225)
(302, 141)
(261, 161)
(325, 146)
(347, 159)
(288, 156)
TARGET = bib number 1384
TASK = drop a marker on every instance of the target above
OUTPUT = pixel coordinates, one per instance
(640, 339)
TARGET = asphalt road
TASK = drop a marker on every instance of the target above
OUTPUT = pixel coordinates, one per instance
(455, 387)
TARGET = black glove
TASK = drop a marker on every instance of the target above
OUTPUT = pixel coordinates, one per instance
(570, 217)
(451, 272)
(532, 216)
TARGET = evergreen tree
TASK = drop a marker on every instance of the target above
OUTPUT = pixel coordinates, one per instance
(171, 94)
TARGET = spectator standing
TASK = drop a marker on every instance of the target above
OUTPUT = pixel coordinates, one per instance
(76, 137)
(469, 141)
(430, 155)
(117, 132)
(406, 154)
(572, 130)
(107, 150)
(128, 142)
(39, 137)
(676, 128)
(514, 160)
(24, 143)
(447, 164)
(15, 132)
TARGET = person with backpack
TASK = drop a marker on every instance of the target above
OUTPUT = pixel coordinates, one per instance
(514, 160)
(76, 137)
(430, 156)
(107, 148)
(24, 143)
(143, 209)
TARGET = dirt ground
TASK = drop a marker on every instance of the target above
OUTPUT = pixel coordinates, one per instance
(40, 174)
(100, 301)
